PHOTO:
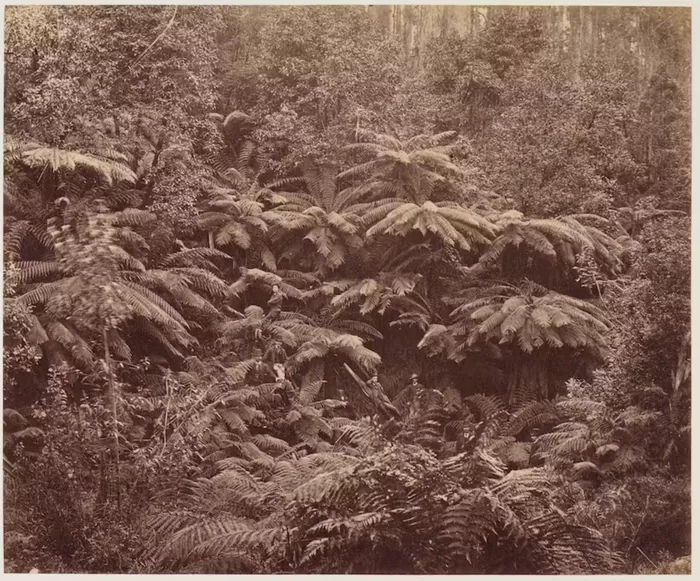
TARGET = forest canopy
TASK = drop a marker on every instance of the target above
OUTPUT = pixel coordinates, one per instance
(289, 289)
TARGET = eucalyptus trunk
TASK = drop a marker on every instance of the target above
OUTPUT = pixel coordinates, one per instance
(112, 403)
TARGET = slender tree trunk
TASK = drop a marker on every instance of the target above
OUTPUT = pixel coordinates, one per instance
(680, 378)
(210, 235)
(167, 410)
(112, 400)
(81, 425)
(154, 164)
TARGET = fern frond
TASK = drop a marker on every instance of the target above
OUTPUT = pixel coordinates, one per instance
(182, 544)
(486, 406)
(59, 159)
(34, 271)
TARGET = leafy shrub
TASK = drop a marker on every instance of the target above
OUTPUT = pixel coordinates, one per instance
(644, 517)
(63, 502)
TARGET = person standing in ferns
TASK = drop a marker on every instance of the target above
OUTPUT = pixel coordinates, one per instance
(415, 384)
(379, 398)
(405, 398)
(261, 372)
(275, 303)
(416, 399)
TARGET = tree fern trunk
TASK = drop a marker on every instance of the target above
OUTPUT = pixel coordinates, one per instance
(112, 401)
(529, 378)
(211, 239)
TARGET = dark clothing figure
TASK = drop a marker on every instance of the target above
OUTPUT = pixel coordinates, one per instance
(285, 390)
(416, 399)
(406, 397)
(375, 392)
(275, 304)
(416, 388)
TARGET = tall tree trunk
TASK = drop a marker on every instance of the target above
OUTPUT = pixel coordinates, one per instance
(680, 379)
(680, 385)
(112, 402)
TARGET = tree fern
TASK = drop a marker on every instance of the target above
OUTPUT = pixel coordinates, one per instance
(393, 292)
(411, 171)
(256, 278)
(138, 290)
(238, 224)
(348, 347)
(321, 218)
(557, 242)
(452, 226)
(62, 160)
(236, 149)
(535, 326)
(255, 328)
(587, 432)
(17, 234)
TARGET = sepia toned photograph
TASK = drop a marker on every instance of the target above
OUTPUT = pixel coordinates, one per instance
(347, 289)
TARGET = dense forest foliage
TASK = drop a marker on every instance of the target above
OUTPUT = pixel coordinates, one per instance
(275, 302)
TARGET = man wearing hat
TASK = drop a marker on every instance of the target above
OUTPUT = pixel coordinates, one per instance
(418, 390)
(415, 383)
(377, 396)
(419, 399)
(407, 396)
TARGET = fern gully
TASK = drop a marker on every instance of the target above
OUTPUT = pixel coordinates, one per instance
(277, 302)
